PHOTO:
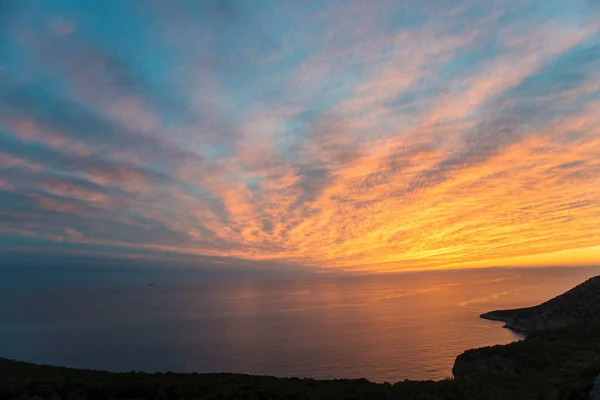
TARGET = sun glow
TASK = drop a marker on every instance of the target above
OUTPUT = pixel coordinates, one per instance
(448, 137)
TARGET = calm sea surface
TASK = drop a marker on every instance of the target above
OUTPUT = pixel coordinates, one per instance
(384, 328)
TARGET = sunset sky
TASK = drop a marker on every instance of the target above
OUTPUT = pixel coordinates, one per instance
(353, 135)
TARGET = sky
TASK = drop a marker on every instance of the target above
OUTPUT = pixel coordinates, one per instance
(326, 135)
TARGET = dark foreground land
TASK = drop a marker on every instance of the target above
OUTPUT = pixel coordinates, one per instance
(559, 360)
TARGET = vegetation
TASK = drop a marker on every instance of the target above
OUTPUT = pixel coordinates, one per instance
(556, 364)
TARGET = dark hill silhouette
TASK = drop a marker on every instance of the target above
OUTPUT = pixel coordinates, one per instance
(575, 306)
(562, 342)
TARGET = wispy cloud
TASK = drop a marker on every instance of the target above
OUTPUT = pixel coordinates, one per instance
(356, 135)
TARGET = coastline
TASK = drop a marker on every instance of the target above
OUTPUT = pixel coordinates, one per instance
(560, 359)
(561, 364)
(508, 324)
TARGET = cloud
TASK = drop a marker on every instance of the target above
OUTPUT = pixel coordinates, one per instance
(61, 26)
(346, 135)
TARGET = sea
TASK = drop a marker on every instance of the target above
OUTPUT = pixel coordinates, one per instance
(385, 328)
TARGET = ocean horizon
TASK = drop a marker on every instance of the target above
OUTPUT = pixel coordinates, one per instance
(385, 328)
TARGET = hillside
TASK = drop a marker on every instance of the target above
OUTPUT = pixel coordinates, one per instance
(577, 305)
(26, 381)
(568, 354)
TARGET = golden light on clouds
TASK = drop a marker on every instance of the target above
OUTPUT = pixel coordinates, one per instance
(446, 137)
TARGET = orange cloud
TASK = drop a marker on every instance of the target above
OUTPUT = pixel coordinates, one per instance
(449, 142)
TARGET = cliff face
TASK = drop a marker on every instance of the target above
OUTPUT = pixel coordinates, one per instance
(472, 364)
(578, 304)
(553, 354)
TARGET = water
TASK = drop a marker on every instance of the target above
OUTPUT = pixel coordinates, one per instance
(383, 328)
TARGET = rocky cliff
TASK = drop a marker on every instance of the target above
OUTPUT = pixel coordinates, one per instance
(474, 364)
